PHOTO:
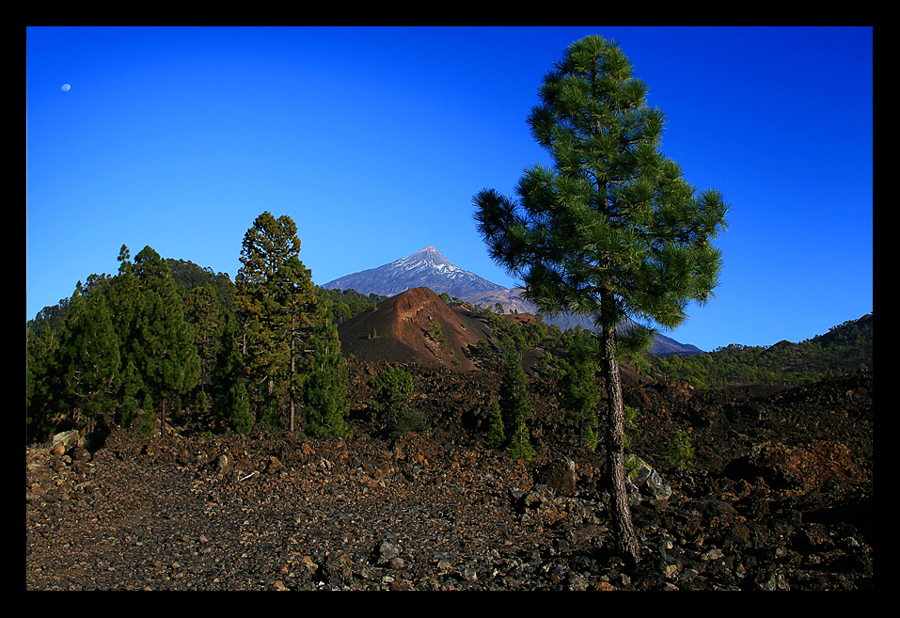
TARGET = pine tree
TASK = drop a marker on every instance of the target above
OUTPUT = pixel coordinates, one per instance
(163, 345)
(515, 410)
(577, 386)
(612, 230)
(89, 355)
(241, 417)
(41, 362)
(202, 312)
(496, 435)
(391, 392)
(228, 371)
(324, 393)
(276, 302)
(126, 303)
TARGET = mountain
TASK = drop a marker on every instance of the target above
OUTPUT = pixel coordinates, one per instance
(666, 346)
(511, 300)
(429, 269)
(425, 268)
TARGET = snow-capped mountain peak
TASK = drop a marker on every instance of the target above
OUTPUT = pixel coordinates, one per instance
(425, 268)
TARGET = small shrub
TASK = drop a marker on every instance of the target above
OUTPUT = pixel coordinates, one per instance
(681, 453)
(632, 465)
(406, 421)
(390, 398)
(391, 391)
(495, 437)
(520, 447)
(590, 438)
(630, 415)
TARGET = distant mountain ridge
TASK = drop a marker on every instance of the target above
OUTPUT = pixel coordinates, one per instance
(428, 268)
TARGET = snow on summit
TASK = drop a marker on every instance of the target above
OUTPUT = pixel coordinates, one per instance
(425, 268)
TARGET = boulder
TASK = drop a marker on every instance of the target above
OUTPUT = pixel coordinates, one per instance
(805, 467)
(646, 482)
(560, 475)
(338, 567)
(385, 552)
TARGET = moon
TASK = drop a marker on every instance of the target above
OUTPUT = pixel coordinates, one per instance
(66, 87)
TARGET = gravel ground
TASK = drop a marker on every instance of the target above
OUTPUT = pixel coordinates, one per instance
(438, 511)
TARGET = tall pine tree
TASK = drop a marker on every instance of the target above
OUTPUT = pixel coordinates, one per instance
(163, 343)
(126, 301)
(89, 356)
(612, 230)
(578, 390)
(231, 403)
(41, 362)
(279, 311)
(202, 311)
(515, 410)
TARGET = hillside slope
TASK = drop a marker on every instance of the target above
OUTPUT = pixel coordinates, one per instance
(408, 327)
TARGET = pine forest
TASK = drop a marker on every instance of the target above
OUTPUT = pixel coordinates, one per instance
(164, 336)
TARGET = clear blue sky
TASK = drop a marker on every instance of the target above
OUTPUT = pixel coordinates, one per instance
(375, 140)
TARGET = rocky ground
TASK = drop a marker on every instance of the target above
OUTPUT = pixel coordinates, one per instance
(781, 498)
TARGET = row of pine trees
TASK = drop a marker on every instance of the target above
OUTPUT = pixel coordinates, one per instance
(140, 346)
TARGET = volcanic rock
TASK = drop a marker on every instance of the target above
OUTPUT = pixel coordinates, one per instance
(414, 326)
(781, 499)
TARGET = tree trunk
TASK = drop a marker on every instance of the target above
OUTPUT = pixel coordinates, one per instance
(615, 452)
(293, 369)
(163, 417)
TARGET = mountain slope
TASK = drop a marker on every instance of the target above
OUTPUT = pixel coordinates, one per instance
(843, 350)
(413, 326)
(425, 268)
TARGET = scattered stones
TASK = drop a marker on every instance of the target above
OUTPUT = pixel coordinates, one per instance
(782, 499)
(647, 483)
(560, 475)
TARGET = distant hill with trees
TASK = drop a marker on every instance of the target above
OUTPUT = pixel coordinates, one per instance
(842, 350)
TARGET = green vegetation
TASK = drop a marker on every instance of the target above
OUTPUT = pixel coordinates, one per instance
(391, 392)
(434, 329)
(496, 436)
(579, 392)
(347, 303)
(681, 454)
(165, 336)
(515, 411)
(843, 349)
(324, 395)
(508, 336)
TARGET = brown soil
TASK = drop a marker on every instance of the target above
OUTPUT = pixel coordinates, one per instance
(401, 330)
(781, 496)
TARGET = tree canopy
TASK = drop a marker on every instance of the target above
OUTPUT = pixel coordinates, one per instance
(167, 335)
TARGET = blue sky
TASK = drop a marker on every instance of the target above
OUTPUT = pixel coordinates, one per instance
(375, 140)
